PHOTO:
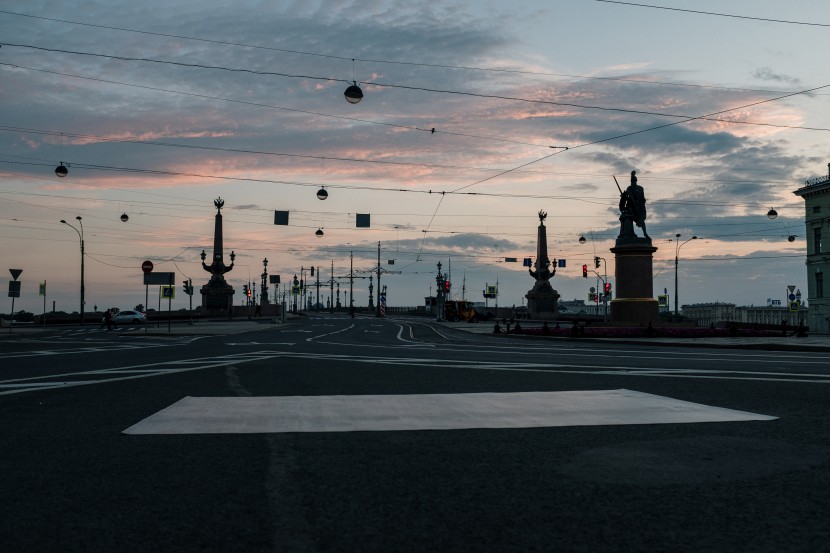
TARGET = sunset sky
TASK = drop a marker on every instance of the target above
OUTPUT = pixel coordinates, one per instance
(158, 108)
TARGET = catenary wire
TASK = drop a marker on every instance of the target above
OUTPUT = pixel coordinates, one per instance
(391, 62)
(715, 13)
(408, 87)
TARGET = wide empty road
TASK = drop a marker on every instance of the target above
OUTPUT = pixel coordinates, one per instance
(400, 435)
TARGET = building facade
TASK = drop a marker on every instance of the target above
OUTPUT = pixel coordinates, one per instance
(816, 194)
(773, 315)
(707, 314)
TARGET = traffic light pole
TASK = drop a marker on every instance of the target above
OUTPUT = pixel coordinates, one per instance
(190, 293)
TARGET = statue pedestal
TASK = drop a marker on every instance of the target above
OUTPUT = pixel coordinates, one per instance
(542, 301)
(217, 297)
(635, 303)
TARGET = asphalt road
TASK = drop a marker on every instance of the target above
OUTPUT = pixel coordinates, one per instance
(74, 481)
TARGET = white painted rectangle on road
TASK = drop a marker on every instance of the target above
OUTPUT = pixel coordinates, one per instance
(243, 415)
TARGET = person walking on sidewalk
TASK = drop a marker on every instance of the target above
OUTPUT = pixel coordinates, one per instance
(108, 319)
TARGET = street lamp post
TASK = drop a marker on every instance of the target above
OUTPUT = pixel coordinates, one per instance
(677, 247)
(264, 290)
(81, 237)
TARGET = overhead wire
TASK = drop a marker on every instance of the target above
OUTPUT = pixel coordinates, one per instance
(272, 106)
(582, 199)
(382, 61)
(769, 20)
(545, 157)
(407, 87)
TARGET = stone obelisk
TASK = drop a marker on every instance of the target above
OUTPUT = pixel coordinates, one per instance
(217, 295)
(542, 299)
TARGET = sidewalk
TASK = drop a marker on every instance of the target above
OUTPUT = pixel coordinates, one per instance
(238, 326)
(769, 343)
(198, 328)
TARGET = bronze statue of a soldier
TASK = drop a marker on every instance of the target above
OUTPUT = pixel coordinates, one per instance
(633, 203)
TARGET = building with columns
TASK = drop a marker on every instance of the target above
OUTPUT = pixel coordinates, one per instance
(816, 194)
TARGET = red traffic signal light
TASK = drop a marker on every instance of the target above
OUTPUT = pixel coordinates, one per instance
(249, 292)
(447, 285)
(585, 271)
(607, 287)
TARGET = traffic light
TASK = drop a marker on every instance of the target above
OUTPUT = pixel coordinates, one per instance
(596, 262)
(248, 292)
(245, 290)
(447, 285)
(607, 290)
(585, 271)
(186, 287)
(312, 270)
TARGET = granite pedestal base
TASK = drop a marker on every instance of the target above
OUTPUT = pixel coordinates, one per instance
(542, 301)
(635, 303)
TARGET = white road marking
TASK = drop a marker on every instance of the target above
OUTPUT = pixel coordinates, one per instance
(44, 353)
(37, 383)
(351, 326)
(260, 343)
(241, 415)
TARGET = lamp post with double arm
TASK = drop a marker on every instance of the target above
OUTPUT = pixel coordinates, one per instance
(677, 247)
(81, 237)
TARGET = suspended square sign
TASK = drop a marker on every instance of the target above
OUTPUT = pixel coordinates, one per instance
(362, 220)
(562, 263)
(510, 260)
(526, 262)
(280, 217)
(160, 279)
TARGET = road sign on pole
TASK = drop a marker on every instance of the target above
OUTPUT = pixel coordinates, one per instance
(14, 288)
(15, 273)
(147, 266)
(160, 279)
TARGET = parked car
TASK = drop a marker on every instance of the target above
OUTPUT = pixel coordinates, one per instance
(129, 317)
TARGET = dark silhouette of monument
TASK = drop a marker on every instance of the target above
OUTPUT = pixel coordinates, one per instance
(635, 303)
(633, 207)
(217, 295)
(542, 299)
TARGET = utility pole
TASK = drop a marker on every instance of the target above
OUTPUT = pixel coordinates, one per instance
(449, 277)
(377, 301)
(351, 282)
(439, 293)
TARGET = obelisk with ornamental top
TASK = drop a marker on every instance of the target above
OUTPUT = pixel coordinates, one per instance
(217, 295)
(542, 299)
